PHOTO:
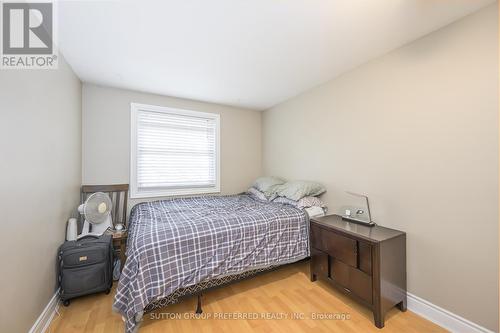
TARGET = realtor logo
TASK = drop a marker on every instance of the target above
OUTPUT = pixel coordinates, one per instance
(28, 35)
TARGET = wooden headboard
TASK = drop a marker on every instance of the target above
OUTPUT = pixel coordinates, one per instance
(118, 195)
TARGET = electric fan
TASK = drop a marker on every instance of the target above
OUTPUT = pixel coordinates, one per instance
(97, 212)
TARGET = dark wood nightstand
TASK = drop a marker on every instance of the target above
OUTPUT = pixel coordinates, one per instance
(366, 263)
(120, 245)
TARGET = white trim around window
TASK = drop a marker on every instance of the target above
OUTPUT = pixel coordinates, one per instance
(154, 145)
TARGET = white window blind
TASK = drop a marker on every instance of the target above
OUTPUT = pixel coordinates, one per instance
(176, 151)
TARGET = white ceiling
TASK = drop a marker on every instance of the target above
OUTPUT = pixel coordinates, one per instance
(248, 53)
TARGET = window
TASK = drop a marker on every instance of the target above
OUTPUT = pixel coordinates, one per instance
(173, 152)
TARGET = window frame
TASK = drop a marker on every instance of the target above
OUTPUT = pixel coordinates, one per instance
(135, 192)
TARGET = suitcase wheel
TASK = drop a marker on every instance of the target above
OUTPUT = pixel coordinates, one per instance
(66, 302)
(107, 291)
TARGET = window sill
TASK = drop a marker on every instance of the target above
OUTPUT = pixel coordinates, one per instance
(171, 193)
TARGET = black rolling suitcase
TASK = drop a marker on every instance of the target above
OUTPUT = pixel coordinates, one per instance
(85, 267)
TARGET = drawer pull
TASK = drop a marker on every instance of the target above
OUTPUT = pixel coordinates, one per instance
(347, 290)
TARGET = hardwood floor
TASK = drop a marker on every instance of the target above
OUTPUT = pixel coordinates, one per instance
(279, 293)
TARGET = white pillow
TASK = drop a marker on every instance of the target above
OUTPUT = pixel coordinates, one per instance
(298, 189)
(265, 183)
(315, 211)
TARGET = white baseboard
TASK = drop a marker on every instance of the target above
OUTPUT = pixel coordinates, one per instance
(43, 321)
(442, 317)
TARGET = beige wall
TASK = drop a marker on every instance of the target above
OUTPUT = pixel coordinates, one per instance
(106, 137)
(417, 130)
(40, 175)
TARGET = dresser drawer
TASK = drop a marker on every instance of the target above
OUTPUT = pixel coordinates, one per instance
(338, 246)
(351, 279)
(360, 284)
(339, 272)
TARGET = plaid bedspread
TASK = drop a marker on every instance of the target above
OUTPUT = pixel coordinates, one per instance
(180, 242)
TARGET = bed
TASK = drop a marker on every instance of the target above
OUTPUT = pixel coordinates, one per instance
(186, 245)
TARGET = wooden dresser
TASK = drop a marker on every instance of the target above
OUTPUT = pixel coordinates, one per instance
(366, 263)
